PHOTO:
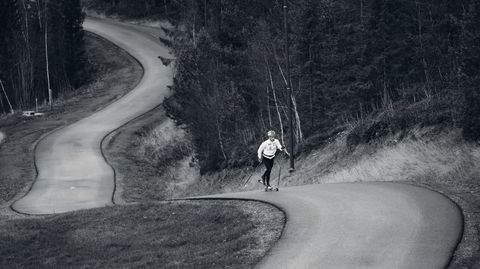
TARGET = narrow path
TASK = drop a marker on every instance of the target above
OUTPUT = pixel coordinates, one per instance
(361, 225)
(72, 172)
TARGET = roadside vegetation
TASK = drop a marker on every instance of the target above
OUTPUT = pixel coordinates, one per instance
(143, 150)
(188, 234)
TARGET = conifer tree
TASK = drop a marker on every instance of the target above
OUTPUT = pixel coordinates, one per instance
(73, 41)
(471, 67)
(10, 19)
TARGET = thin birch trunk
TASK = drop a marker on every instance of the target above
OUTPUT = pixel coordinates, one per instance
(295, 111)
(6, 97)
(220, 141)
(268, 105)
(1, 103)
(165, 8)
(310, 97)
(46, 60)
(420, 40)
(275, 100)
(297, 120)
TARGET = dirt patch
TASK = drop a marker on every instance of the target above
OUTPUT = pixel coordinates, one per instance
(114, 74)
(182, 234)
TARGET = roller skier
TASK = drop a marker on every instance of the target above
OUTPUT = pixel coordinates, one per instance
(266, 154)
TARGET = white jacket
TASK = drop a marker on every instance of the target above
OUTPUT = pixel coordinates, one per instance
(268, 148)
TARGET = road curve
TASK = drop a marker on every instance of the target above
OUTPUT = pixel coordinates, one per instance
(72, 172)
(361, 225)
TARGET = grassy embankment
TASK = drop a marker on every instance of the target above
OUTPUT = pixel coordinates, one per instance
(173, 234)
(423, 151)
(204, 234)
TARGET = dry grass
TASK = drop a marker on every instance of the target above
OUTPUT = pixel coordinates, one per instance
(444, 159)
(164, 144)
(151, 157)
(194, 234)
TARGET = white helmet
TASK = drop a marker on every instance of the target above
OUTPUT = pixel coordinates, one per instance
(271, 133)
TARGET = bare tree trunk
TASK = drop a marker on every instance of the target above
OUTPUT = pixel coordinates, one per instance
(310, 97)
(295, 111)
(165, 8)
(220, 141)
(268, 105)
(275, 99)
(3, 106)
(205, 12)
(46, 59)
(147, 8)
(193, 32)
(26, 66)
(361, 11)
(297, 121)
(6, 97)
(262, 121)
(278, 64)
(420, 40)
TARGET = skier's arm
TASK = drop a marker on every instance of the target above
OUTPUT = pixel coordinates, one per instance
(260, 151)
(282, 148)
(279, 146)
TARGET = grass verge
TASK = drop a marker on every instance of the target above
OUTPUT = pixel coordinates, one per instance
(180, 234)
(152, 158)
(113, 74)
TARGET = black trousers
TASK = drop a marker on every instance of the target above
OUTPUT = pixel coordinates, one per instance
(268, 164)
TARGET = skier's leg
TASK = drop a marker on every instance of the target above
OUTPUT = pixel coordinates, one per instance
(264, 176)
(269, 165)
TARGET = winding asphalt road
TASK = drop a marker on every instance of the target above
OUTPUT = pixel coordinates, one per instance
(361, 225)
(367, 225)
(72, 172)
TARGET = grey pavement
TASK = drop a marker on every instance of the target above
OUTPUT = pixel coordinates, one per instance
(72, 172)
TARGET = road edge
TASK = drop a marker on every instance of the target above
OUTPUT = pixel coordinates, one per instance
(459, 208)
(24, 193)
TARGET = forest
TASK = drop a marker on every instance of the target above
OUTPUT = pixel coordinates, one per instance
(41, 48)
(372, 67)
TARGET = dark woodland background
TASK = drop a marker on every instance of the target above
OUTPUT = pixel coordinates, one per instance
(22, 49)
(389, 65)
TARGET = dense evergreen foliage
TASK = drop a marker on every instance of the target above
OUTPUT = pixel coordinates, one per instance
(411, 62)
(23, 67)
(137, 8)
(390, 64)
